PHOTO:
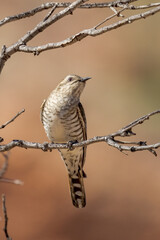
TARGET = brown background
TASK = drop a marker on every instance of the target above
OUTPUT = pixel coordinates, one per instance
(123, 192)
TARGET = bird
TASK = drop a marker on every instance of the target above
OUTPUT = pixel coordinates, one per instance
(64, 121)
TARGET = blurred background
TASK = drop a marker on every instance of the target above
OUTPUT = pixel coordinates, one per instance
(123, 191)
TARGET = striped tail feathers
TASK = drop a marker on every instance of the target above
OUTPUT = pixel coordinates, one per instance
(77, 190)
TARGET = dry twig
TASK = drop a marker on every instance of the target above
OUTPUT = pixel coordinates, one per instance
(51, 12)
(12, 119)
(5, 217)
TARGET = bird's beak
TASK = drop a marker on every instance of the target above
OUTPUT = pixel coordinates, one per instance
(85, 79)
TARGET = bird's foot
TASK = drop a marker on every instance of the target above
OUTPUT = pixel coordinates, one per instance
(45, 146)
(70, 145)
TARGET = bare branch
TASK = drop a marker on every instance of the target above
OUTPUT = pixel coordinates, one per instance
(127, 130)
(5, 217)
(142, 6)
(7, 52)
(49, 5)
(12, 119)
(43, 25)
(88, 32)
(109, 139)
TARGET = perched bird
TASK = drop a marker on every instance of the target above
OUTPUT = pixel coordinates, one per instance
(64, 121)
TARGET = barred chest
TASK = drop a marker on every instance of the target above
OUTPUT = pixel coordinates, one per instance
(61, 119)
(63, 127)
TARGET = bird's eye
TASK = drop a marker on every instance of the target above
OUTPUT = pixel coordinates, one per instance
(70, 79)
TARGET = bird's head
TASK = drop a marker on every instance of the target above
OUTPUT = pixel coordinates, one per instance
(73, 85)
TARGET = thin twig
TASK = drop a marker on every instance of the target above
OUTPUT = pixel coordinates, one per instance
(127, 130)
(5, 217)
(110, 17)
(12, 119)
(50, 12)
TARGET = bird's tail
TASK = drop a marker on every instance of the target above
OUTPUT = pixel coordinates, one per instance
(77, 190)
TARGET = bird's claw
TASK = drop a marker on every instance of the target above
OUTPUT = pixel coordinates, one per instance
(45, 146)
(70, 145)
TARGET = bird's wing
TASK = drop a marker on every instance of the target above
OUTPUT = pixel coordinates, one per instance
(82, 118)
(41, 110)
